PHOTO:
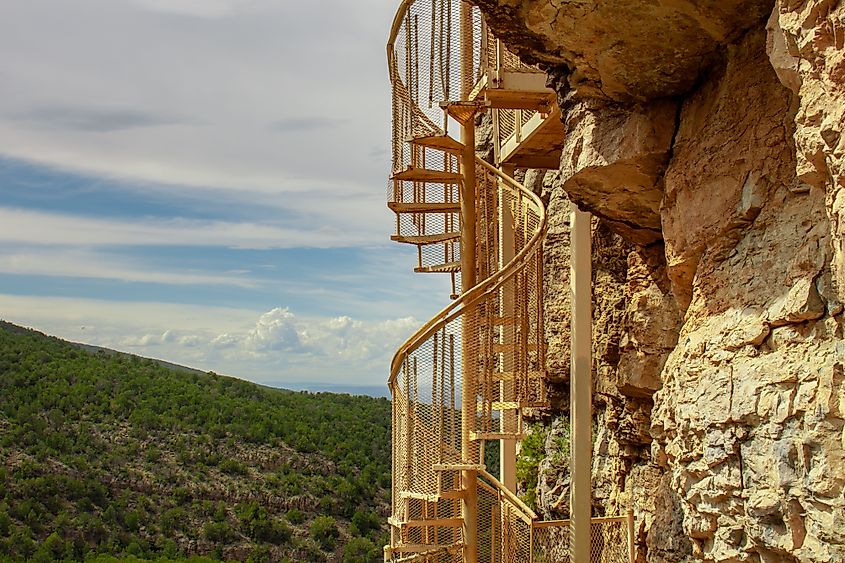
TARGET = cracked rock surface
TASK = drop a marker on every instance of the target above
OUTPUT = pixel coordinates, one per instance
(706, 138)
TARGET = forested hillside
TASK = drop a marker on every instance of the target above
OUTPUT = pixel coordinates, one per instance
(104, 453)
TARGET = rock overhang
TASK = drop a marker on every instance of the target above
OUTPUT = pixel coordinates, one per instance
(624, 50)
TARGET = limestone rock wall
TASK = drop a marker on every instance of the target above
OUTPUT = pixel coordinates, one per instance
(706, 138)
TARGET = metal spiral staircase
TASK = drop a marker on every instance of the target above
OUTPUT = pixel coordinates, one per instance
(465, 376)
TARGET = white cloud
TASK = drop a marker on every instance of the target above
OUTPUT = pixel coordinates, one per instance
(275, 330)
(274, 346)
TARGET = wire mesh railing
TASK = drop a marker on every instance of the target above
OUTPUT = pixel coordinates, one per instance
(610, 540)
(490, 339)
(427, 66)
(510, 534)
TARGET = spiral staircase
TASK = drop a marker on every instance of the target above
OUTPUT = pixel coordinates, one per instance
(465, 377)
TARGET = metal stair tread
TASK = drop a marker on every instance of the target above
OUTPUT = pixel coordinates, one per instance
(428, 175)
(463, 111)
(422, 548)
(424, 207)
(426, 522)
(459, 467)
(426, 239)
(447, 268)
(453, 494)
(437, 141)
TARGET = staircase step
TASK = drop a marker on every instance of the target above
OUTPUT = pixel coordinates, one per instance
(432, 498)
(464, 111)
(459, 467)
(428, 175)
(426, 207)
(426, 239)
(422, 548)
(447, 268)
(442, 142)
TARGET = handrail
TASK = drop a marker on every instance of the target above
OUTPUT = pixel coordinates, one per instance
(512, 498)
(482, 289)
(401, 11)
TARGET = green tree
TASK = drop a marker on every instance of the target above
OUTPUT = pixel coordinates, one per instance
(325, 532)
(361, 550)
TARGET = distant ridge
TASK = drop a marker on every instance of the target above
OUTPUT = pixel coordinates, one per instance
(5, 325)
(377, 391)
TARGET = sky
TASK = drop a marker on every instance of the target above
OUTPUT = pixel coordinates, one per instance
(203, 181)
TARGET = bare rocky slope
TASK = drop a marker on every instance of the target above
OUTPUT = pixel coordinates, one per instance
(706, 138)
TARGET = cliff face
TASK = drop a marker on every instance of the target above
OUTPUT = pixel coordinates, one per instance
(706, 137)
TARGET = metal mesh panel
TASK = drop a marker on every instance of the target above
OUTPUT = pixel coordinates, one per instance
(550, 541)
(511, 62)
(489, 533)
(507, 124)
(497, 57)
(516, 534)
(446, 554)
(609, 540)
(436, 255)
(526, 115)
(508, 321)
(426, 68)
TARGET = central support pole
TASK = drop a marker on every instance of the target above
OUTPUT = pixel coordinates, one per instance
(507, 250)
(469, 347)
(580, 384)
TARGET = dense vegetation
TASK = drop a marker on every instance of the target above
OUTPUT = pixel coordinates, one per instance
(531, 453)
(104, 454)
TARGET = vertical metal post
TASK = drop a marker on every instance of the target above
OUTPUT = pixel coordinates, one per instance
(580, 282)
(469, 478)
(507, 447)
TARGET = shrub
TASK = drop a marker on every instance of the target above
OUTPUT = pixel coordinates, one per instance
(324, 531)
(531, 452)
(5, 523)
(270, 530)
(233, 467)
(218, 532)
(364, 521)
(361, 550)
(295, 516)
